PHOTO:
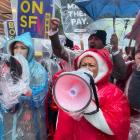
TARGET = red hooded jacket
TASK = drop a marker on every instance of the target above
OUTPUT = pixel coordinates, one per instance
(114, 108)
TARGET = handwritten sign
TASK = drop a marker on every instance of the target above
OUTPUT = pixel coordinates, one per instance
(74, 20)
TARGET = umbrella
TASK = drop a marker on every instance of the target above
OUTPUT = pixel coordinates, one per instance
(123, 26)
(109, 8)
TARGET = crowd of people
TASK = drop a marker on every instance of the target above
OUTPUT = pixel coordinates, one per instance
(35, 115)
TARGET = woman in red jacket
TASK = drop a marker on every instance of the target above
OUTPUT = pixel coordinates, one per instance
(111, 122)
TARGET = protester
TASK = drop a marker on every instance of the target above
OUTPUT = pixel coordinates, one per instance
(111, 122)
(133, 92)
(96, 40)
(27, 121)
(119, 67)
(133, 89)
(51, 65)
(14, 81)
(132, 86)
(129, 62)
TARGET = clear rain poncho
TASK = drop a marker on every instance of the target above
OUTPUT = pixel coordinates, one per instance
(26, 120)
(14, 82)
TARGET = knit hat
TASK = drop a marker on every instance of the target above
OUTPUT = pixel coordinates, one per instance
(101, 34)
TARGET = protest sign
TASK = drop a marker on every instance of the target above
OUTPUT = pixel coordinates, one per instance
(9, 29)
(73, 19)
(34, 16)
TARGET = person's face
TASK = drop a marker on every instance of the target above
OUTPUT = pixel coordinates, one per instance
(94, 42)
(137, 59)
(20, 48)
(91, 64)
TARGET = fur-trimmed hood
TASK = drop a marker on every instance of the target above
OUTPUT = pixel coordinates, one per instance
(103, 60)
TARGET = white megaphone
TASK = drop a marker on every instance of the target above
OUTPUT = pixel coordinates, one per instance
(73, 91)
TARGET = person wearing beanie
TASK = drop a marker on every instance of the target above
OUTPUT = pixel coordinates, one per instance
(98, 34)
(96, 40)
(112, 120)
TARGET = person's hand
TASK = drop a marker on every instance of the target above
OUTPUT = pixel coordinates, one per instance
(55, 24)
(76, 116)
(114, 42)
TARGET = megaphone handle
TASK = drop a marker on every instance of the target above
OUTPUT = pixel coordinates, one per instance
(95, 95)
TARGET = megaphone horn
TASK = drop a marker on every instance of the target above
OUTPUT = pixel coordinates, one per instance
(72, 91)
